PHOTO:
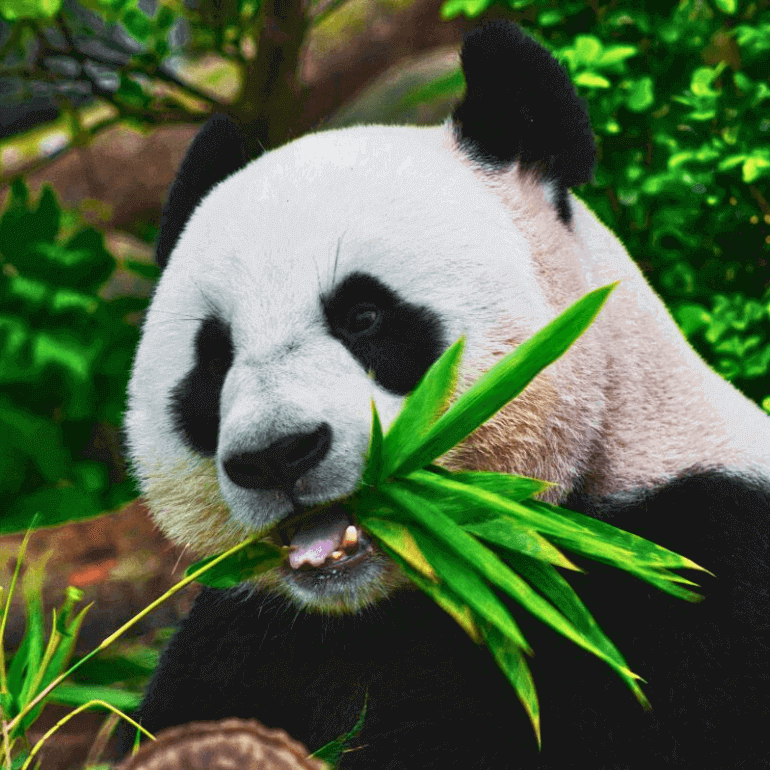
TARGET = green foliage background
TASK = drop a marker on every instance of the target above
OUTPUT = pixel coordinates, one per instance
(65, 355)
(679, 103)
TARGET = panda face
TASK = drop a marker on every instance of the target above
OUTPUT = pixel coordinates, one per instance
(332, 272)
(322, 276)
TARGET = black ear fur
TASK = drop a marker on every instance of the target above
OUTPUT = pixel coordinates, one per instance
(217, 151)
(520, 105)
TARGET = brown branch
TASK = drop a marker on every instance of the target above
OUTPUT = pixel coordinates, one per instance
(269, 99)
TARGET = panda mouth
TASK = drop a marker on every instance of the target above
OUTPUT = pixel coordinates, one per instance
(322, 540)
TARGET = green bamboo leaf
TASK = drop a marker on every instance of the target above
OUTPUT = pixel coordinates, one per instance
(504, 381)
(442, 595)
(645, 553)
(399, 539)
(513, 487)
(515, 539)
(493, 526)
(464, 511)
(469, 587)
(476, 499)
(331, 753)
(664, 580)
(514, 665)
(490, 567)
(546, 579)
(421, 409)
(373, 470)
(577, 532)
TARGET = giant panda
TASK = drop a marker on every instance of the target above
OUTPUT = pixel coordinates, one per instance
(297, 287)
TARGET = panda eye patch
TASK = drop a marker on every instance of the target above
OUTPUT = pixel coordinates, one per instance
(195, 399)
(393, 338)
(363, 318)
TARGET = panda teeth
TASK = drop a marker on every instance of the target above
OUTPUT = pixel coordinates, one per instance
(349, 540)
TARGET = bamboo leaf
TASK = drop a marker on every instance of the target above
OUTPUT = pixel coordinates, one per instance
(645, 552)
(374, 464)
(469, 587)
(442, 595)
(253, 559)
(493, 526)
(511, 660)
(399, 539)
(560, 593)
(490, 567)
(519, 540)
(504, 381)
(422, 408)
(513, 487)
(576, 532)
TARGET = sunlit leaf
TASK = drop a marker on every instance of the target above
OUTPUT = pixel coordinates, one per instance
(591, 80)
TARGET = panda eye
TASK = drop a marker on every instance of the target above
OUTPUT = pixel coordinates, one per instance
(217, 367)
(362, 318)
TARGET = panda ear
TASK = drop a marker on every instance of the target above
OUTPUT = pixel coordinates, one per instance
(520, 106)
(218, 151)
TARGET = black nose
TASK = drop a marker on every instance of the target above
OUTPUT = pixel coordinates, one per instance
(282, 463)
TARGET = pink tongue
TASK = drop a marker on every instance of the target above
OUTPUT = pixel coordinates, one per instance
(314, 544)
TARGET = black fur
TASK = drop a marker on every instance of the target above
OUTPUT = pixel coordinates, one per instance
(218, 151)
(438, 700)
(520, 105)
(194, 402)
(400, 345)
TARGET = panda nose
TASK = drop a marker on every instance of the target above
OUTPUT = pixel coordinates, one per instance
(280, 465)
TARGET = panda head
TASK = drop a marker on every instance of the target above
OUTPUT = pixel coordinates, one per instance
(335, 270)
